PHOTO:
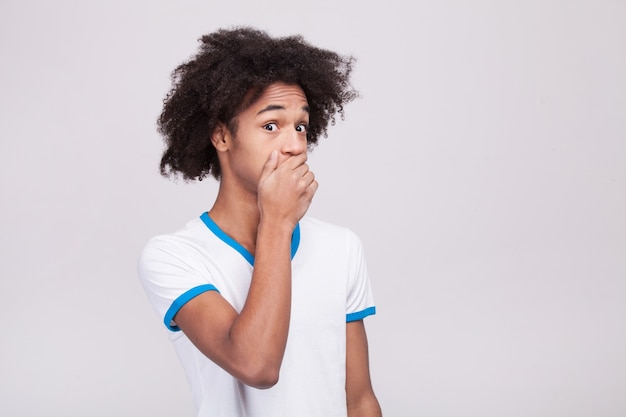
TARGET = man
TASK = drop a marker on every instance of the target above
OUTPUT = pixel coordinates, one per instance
(264, 305)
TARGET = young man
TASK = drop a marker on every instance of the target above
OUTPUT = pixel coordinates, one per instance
(264, 305)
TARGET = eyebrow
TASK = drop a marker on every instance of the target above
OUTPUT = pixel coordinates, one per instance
(279, 107)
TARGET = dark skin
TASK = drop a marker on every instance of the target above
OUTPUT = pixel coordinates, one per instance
(266, 187)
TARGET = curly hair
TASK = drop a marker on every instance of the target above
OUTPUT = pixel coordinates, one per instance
(212, 86)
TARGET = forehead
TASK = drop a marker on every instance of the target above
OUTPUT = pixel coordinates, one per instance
(280, 93)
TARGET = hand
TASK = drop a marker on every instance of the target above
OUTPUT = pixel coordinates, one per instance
(285, 191)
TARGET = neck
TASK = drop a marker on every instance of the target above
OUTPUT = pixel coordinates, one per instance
(237, 214)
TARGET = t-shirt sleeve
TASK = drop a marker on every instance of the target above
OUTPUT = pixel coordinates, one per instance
(170, 277)
(360, 299)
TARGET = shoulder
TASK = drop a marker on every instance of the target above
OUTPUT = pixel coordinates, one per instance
(182, 242)
(327, 233)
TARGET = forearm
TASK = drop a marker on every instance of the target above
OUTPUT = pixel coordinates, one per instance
(259, 333)
(360, 398)
(367, 406)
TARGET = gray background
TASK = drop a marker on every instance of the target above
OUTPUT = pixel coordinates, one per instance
(484, 168)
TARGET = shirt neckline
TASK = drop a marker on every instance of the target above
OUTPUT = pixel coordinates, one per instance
(217, 231)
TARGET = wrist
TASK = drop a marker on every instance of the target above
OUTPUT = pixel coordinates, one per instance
(276, 226)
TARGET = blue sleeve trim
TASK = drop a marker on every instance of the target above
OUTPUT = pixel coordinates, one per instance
(360, 314)
(295, 240)
(181, 301)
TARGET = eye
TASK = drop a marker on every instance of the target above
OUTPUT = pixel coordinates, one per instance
(301, 128)
(270, 127)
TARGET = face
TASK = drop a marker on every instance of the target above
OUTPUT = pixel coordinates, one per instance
(278, 120)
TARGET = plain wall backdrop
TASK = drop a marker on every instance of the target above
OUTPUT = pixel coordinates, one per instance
(484, 168)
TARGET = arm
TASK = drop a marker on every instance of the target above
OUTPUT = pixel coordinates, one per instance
(250, 345)
(360, 397)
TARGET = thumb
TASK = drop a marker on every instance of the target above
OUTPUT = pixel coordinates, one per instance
(270, 165)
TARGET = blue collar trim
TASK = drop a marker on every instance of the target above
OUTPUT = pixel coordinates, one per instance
(208, 221)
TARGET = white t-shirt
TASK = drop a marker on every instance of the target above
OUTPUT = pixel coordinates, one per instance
(330, 287)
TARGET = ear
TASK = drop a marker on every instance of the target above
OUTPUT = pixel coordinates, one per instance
(220, 138)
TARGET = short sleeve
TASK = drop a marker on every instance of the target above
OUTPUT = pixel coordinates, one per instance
(360, 299)
(171, 276)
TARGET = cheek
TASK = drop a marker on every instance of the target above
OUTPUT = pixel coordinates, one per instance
(256, 162)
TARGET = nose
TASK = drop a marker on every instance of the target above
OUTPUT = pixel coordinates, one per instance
(294, 143)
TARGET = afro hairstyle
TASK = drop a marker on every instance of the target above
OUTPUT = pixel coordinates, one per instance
(228, 73)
